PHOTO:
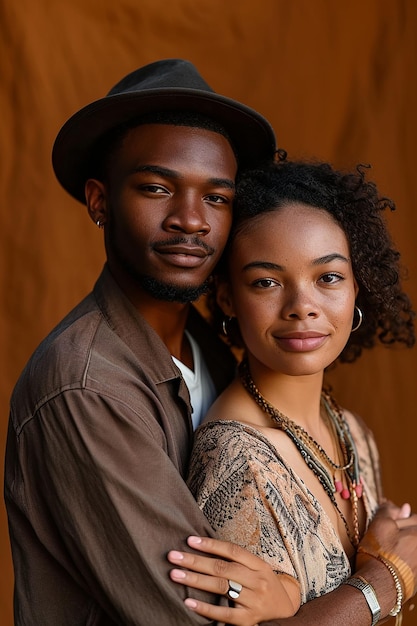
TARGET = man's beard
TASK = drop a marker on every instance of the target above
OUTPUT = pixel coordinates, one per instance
(161, 290)
(168, 292)
(158, 289)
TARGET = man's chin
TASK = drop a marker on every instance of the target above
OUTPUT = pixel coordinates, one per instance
(168, 292)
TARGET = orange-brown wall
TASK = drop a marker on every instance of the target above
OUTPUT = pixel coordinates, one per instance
(336, 79)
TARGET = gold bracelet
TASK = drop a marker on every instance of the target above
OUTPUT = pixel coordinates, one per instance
(399, 603)
(404, 572)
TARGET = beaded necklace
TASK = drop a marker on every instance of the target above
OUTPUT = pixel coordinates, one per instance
(314, 455)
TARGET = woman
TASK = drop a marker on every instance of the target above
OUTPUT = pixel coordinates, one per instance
(310, 277)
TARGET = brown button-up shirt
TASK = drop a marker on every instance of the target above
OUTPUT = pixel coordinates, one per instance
(99, 437)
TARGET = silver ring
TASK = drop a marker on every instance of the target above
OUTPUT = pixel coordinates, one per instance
(234, 590)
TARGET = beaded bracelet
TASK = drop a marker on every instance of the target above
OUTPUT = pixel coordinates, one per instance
(396, 611)
(404, 572)
(399, 603)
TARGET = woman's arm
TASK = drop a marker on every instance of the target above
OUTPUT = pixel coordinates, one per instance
(345, 605)
(251, 497)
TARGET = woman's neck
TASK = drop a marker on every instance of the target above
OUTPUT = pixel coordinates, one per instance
(298, 397)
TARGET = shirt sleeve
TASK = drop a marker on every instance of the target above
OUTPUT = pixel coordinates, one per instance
(113, 504)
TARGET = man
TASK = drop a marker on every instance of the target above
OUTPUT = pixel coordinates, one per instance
(100, 423)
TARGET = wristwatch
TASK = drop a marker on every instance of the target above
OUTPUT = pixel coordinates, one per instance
(369, 595)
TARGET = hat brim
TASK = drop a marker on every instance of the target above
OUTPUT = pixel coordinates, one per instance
(252, 136)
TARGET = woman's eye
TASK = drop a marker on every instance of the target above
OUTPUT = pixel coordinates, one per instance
(265, 283)
(331, 278)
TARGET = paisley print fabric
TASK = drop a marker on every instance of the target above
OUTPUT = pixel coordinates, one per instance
(252, 497)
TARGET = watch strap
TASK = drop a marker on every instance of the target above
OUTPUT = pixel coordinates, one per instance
(369, 594)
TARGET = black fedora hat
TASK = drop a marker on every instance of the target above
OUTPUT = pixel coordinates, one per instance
(166, 85)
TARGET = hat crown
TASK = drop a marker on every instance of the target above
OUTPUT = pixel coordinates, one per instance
(165, 74)
(167, 85)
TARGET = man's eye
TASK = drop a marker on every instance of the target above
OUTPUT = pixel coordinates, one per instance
(216, 199)
(153, 188)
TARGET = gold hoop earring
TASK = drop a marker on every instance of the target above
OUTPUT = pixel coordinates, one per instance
(360, 320)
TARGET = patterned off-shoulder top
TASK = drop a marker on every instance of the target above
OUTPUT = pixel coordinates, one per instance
(252, 497)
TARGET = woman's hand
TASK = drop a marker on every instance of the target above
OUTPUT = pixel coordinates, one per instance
(264, 595)
(393, 530)
(392, 534)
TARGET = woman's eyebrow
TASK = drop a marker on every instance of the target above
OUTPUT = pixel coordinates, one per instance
(267, 265)
(328, 258)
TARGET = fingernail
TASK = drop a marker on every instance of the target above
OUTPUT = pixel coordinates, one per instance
(175, 556)
(192, 604)
(194, 540)
(178, 573)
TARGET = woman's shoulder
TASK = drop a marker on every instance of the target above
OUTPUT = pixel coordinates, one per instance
(223, 442)
(233, 404)
(357, 425)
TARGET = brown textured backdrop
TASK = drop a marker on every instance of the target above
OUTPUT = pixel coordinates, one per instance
(337, 80)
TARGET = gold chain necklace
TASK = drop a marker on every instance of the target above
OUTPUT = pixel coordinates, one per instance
(314, 455)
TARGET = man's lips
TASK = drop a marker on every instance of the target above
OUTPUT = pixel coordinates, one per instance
(183, 255)
(181, 249)
(301, 341)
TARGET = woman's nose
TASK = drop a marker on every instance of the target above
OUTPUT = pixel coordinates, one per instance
(300, 304)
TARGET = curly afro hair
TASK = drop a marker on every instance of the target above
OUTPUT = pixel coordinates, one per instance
(357, 206)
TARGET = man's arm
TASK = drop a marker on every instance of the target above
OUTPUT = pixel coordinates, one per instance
(107, 503)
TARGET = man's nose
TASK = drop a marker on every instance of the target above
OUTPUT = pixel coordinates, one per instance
(188, 215)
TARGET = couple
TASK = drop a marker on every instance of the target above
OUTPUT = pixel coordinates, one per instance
(101, 424)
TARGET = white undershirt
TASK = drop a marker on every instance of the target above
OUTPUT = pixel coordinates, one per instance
(200, 385)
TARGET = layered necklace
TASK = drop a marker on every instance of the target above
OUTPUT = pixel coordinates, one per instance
(318, 461)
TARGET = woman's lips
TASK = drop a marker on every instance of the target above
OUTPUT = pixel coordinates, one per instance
(301, 342)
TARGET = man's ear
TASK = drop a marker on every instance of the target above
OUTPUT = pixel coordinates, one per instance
(95, 196)
(224, 298)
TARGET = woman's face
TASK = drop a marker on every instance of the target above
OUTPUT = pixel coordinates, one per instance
(291, 289)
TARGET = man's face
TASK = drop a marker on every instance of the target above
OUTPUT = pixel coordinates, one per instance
(168, 207)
